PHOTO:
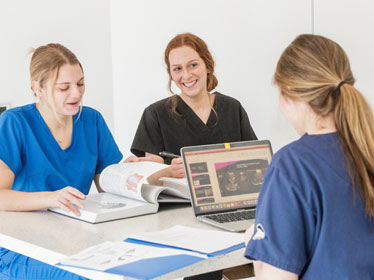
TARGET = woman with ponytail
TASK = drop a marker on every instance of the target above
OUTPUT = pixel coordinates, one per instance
(197, 115)
(316, 208)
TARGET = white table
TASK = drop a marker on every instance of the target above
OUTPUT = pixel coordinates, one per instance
(49, 237)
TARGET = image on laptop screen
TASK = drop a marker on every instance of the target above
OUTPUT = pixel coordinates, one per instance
(226, 176)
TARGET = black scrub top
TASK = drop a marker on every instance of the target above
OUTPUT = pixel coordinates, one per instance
(162, 130)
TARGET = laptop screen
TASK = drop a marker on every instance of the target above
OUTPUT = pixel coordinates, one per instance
(226, 176)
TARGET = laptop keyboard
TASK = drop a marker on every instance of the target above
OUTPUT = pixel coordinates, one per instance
(233, 216)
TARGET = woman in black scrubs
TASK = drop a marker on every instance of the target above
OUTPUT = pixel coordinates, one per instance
(195, 116)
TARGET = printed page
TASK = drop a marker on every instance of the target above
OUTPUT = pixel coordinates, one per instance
(126, 179)
(111, 254)
(200, 240)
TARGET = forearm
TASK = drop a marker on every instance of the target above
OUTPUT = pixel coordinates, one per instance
(11, 200)
(264, 271)
(97, 183)
(155, 158)
(153, 179)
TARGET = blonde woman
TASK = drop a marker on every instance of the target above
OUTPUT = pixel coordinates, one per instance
(50, 151)
(316, 208)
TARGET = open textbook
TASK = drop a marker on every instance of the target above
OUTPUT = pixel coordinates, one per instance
(128, 194)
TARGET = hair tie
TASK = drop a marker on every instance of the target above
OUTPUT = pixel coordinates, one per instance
(340, 84)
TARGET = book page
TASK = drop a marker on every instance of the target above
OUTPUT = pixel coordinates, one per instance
(100, 207)
(151, 192)
(176, 186)
(177, 193)
(126, 179)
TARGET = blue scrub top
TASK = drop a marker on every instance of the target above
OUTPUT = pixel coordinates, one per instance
(308, 221)
(39, 164)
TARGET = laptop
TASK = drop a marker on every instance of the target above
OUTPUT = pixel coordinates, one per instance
(225, 181)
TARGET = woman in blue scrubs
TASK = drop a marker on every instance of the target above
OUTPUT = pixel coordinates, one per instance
(316, 207)
(50, 151)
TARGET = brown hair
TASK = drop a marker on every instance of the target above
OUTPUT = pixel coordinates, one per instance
(46, 61)
(198, 45)
(49, 58)
(312, 70)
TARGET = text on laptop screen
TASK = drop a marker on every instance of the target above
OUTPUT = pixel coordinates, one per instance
(229, 177)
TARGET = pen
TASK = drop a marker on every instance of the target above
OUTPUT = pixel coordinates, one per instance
(168, 155)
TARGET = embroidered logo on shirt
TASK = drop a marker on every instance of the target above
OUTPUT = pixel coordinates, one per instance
(260, 233)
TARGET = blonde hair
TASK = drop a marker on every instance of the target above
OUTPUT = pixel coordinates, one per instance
(47, 61)
(316, 70)
(199, 46)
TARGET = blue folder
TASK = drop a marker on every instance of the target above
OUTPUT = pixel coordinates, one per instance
(154, 267)
(212, 254)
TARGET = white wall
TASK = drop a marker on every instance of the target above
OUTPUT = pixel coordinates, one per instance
(351, 24)
(83, 26)
(245, 37)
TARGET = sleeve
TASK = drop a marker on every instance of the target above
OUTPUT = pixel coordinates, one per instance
(148, 137)
(11, 142)
(108, 151)
(284, 226)
(246, 130)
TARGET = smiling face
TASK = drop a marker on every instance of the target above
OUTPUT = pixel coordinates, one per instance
(188, 71)
(67, 92)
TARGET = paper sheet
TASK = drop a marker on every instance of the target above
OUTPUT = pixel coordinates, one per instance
(126, 179)
(111, 254)
(205, 241)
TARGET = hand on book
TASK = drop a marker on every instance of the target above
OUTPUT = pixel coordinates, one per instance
(136, 159)
(68, 199)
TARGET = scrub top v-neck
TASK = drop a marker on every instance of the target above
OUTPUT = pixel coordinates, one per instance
(48, 134)
(29, 149)
(195, 120)
(162, 130)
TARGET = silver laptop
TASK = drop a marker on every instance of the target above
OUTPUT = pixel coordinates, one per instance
(225, 181)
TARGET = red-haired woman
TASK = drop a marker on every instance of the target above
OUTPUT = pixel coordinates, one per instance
(196, 116)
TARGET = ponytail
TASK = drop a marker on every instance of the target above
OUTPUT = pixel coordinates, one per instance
(316, 70)
(355, 125)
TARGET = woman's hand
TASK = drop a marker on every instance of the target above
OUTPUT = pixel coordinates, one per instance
(136, 159)
(177, 168)
(68, 199)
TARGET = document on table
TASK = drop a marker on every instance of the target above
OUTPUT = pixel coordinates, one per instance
(149, 255)
(193, 239)
(113, 254)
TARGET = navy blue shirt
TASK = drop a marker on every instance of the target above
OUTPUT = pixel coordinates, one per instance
(307, 219)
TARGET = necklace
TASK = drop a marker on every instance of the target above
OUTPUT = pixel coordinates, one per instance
(61, 130)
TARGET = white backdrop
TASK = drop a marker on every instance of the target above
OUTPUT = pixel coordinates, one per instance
(351, 24)
(245, 37)
(83, 26)
(121, 45)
